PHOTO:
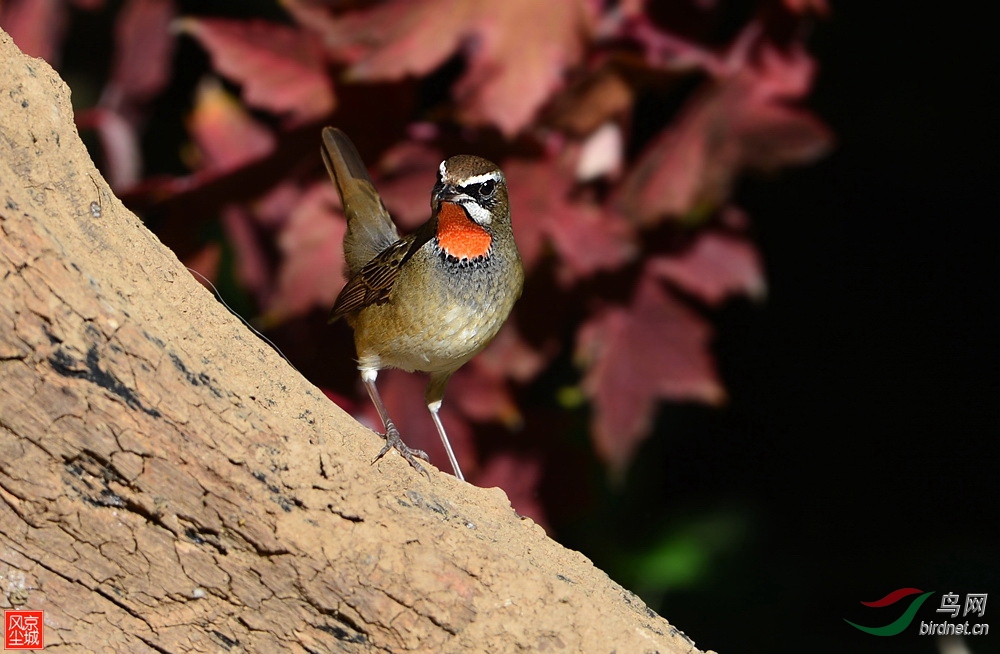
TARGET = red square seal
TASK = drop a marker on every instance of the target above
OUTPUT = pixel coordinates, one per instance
(23, 629)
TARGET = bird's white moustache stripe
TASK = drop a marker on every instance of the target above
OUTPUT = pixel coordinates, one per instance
(478, 213)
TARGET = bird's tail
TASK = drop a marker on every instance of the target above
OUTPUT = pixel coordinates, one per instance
(370, 230)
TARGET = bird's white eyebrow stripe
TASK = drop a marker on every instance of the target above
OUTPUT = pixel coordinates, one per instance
(495, 175)
(441, 170)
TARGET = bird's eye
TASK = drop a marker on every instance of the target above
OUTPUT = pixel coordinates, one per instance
(487, 188)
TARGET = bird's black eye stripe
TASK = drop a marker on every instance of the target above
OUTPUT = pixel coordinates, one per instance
(483, 189)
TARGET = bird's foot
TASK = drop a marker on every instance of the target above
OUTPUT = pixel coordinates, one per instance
(393, 441)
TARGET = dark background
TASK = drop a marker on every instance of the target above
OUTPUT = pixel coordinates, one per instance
(861, 438)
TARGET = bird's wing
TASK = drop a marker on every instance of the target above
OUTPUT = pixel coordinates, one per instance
(373, 283)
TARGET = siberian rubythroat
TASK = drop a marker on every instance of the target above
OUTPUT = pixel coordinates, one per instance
(431, 300)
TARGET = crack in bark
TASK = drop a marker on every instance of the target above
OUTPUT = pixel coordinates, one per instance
(90, 370)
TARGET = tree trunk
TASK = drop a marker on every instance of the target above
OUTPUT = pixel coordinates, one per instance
(168, 483)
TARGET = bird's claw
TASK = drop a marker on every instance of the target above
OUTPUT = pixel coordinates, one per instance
(393, 441)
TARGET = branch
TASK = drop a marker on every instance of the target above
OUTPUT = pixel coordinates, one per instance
(168, 483)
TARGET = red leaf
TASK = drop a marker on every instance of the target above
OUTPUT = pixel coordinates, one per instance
(596, 98)
(119, 145)
(777, 136)
(144, 47)
(739, 121)
(252, 268)
(36, 26)
(715, 267)
(517, 50)
(274, 209)
(404, 177)
(483, 397)
(586, 236)
(226, 135)
(510, 357)
(667, 51)
(281, 68)
(205, 264)
(656, 348)
(819, 7)
(482, 388)
(312, 265)
(518, 476)
(345, 403)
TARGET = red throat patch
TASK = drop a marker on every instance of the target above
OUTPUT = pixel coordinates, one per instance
(459, 236)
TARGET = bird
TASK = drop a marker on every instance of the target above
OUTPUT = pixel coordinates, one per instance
(431, 300)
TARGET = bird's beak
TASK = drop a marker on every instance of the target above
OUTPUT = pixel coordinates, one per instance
(448, 193)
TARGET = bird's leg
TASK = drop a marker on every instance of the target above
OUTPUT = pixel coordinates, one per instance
(434, 407)
(392, 437)
(435, 393)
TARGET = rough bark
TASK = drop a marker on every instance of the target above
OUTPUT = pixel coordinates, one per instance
(168, 483)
